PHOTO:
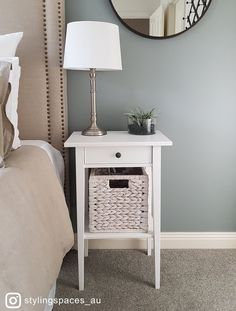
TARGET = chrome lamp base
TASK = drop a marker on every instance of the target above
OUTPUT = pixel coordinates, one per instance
(93, 129)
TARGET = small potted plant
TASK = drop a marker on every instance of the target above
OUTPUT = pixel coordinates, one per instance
(141, 122)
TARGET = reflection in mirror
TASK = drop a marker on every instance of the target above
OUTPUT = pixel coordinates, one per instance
(160, 18)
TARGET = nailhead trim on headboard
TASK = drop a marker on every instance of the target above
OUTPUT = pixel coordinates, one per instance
(46, 70)
(59, 7)
(60, 130)
(61, 81)
(62, 87)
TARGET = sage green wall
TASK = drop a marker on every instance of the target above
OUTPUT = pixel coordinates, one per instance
(191, 79)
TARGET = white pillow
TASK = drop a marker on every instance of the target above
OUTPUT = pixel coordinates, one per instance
(8, 46)
(9, 43)
(12, 103)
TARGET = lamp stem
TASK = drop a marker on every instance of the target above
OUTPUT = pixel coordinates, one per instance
(92, 78)
(93, 129)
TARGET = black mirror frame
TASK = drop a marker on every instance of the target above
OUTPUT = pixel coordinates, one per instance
(152, 37)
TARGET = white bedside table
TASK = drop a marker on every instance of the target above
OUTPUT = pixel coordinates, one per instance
(118, 149)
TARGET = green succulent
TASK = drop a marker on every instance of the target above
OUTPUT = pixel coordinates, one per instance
(138, 115)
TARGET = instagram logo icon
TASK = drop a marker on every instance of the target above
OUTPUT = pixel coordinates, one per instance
(13, 300)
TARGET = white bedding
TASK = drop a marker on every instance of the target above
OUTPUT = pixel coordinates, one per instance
(54, 155)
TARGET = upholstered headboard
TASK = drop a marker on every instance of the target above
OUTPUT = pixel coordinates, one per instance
(42, 99)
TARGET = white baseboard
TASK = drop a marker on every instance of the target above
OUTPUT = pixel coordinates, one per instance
(198, 240)
(173, 240)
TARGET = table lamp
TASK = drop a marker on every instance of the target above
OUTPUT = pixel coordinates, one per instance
(92, 46)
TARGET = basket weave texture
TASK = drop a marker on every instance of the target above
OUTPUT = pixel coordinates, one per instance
(118, 202)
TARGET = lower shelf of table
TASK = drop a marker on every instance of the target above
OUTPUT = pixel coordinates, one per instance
(116, 235)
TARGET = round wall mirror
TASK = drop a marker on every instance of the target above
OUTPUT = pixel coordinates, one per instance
(159, 19)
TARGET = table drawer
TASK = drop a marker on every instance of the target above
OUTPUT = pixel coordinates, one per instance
(119, 155)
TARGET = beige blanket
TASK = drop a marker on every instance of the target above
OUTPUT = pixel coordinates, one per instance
(35, 229)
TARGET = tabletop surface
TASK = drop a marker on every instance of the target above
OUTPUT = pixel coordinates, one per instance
(117, 138)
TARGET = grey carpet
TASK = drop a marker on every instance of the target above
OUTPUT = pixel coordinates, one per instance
(191, 280)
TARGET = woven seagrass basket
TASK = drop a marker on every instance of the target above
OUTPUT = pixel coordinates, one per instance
(118, 200)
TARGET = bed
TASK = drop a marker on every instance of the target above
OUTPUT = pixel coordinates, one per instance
(35, 227)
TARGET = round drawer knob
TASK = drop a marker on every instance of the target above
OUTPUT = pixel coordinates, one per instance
(118, 155)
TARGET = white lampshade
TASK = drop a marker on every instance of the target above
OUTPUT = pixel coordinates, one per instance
(92, 44)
